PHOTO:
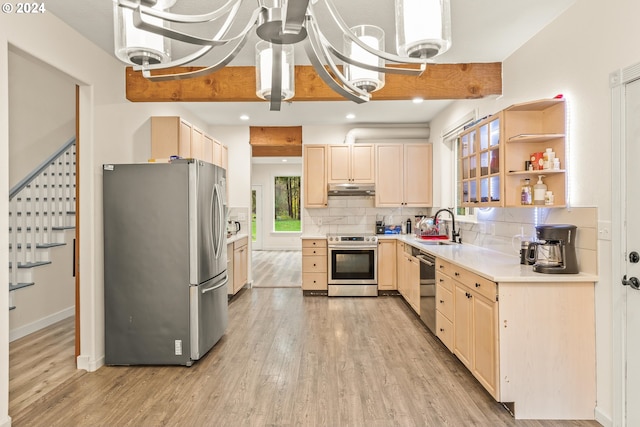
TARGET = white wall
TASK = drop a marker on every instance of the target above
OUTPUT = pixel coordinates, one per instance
(574, 56)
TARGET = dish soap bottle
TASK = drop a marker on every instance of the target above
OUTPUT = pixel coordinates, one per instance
(526, 196)
(539, 191)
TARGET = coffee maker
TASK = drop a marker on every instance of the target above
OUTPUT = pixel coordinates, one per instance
(555, 250)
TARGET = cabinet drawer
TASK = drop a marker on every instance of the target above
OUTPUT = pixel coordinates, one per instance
(314, 243)
(314, 251)
(444, 281)
(314, 281)
(241, 242)
(483, 286)
(444, 301)
(445, 267)
(314, 264)
(444, 330)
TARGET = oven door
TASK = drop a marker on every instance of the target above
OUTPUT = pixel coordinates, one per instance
(353, 265)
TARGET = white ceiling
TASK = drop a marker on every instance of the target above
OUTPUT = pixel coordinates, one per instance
(482, 31)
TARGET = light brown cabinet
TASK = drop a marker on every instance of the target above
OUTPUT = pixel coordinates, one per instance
(315, 176)
(403, 175)
(493, 152)
(533, 127)
(409, 277)
(387, 271)
(350, 163)
(468, 303)
(314, 264)
(240, 263)
(174, 136)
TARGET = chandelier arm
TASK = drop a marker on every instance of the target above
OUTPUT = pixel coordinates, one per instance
(294, 12)
(140, 23)
(383, 69)
(379, 53)
(315, 51)
(180, 18)
(276, 77)
(146, 70)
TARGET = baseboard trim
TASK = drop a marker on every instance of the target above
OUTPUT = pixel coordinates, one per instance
(89, 365)
(6, 422)
(30, 328)
(603, 419)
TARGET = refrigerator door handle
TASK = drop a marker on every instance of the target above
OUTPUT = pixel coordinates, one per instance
(221, 222)
(218, 286)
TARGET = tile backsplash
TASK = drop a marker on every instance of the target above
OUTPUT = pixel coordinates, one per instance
(498, 229)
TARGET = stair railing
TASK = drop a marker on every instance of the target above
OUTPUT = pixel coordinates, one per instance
(38, 204)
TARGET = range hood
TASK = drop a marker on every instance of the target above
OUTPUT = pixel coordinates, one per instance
(351, 189)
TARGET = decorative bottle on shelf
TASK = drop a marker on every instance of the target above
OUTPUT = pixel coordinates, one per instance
(526, 196)
(539, 191)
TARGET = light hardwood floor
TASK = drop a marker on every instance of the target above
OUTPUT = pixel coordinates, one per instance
(277, 269)
(285, 360)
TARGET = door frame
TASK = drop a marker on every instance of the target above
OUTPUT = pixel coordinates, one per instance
(617, 82)
(257, 244)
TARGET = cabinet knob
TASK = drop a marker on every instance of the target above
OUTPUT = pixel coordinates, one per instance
(314, 265)
(441, 329)
(468, 294)
(441, 301)
(477, 285)
(456, 273)
(314, 252)
(441, 280)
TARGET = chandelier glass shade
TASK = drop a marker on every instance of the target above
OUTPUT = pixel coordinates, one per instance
(143, 33)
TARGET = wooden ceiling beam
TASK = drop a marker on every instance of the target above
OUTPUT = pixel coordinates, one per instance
(238, 83)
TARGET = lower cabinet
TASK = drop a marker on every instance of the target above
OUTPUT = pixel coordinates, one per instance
(314, 264)
(468, 321)
(408, 276)
(240, 265)
(387, 270)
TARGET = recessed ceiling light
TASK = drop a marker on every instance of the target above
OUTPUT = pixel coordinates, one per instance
(417, 100)
(351, 116)
(284, 160)
(244, 117)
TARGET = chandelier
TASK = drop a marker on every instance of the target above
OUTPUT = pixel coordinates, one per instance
(423, 30)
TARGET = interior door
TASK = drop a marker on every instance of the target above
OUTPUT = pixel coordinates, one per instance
(632, 267)
(256, 217)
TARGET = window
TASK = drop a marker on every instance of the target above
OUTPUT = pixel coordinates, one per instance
(286, 204)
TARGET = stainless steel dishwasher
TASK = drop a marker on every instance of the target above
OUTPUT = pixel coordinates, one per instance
(427, 288)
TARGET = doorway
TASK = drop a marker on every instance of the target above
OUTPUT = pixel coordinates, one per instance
(256, 217)
(625, 241)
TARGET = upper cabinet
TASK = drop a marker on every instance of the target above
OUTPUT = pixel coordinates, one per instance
(404, 175)
(479, 172)
(530, 129)
(492, 155)
(173, 136)
(350, 163)
(315, 176)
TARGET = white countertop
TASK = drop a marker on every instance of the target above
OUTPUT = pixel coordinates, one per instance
(236, 237)
(492, 265)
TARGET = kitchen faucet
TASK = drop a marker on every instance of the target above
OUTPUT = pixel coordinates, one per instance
(454, 234)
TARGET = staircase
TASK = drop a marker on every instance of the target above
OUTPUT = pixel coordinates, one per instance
(41, 208)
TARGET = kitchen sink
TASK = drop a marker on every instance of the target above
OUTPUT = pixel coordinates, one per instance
(434, 242)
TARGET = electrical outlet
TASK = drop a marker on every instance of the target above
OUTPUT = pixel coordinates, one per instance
(319, 221)
(242, 216)
(604, 230)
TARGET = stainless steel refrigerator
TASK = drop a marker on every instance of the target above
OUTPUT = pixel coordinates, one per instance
(165, 261)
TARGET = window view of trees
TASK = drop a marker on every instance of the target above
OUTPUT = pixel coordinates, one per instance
(287, 203)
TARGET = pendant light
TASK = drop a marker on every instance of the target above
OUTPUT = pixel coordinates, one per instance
(423, 27)
(137, 46)
(272, 79)
(367, 80)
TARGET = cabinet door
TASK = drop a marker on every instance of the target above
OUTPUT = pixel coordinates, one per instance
(484, 342)
(418, 179)
(414, 284)
(315, 176)
(230, 269)
(207, 148)
(184, 142)
(225, 159)
(362, 164)
(237, 269)
(217, 153)
(338, 160)
(400, 266)
(389, 175)
(462, 307)
(387, 265)
(197, 144)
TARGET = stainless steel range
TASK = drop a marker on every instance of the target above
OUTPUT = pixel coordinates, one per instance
(353, 265)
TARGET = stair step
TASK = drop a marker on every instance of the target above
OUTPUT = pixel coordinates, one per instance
(17, 286)
(39, 245)
(32, 264)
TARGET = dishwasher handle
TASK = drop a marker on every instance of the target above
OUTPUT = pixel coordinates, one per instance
(426, 259)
